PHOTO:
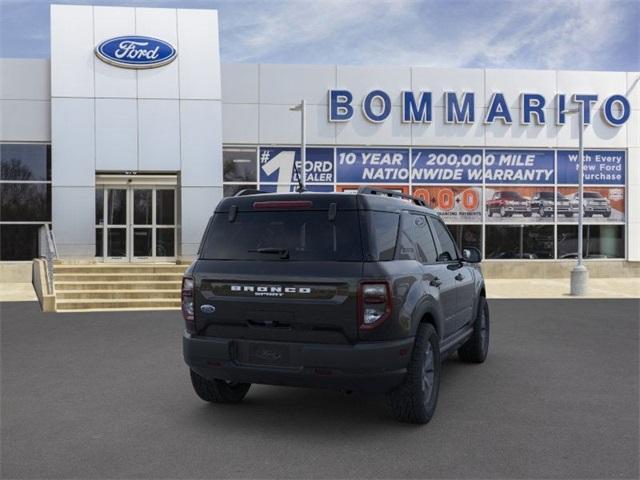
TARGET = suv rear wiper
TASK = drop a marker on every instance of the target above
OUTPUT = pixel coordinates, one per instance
(283, 252)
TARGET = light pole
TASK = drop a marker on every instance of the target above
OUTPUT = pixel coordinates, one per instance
(580, 274)
(303, 142)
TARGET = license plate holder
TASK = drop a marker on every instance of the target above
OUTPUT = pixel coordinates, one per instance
(264, 353)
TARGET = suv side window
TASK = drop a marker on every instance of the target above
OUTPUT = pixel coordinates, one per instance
(406, 245)
(384, 231)
(424, 240)
(448, 250)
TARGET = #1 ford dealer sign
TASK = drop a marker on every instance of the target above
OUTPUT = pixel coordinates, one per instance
(134, 51)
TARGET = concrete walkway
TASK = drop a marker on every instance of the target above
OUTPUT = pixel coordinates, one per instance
(560, 287)
(17, 292)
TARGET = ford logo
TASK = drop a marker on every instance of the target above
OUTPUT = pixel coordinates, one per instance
(134, 51)
(206, 308)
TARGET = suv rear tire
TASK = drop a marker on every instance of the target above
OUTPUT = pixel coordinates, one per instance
(415, 400)
(218, 391)
(476, 348)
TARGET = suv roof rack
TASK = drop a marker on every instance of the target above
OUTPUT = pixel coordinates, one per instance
(392, 193)
(247, 191)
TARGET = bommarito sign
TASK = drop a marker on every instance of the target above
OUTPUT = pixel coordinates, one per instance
(460, 108)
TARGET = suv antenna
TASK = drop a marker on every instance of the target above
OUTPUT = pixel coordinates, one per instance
(301, 187)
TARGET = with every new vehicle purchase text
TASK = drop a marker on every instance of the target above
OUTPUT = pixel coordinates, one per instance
(357, 292)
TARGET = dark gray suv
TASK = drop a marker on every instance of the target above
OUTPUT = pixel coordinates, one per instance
(357, 292)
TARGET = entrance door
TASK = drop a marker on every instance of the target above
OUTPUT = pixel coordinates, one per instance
(139, 223)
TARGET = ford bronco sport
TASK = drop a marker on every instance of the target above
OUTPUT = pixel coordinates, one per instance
(357, 292)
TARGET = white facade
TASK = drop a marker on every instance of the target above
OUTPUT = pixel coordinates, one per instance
(102, 119)
(108, 119)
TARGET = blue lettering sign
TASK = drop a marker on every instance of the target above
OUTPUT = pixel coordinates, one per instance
(601, 167)
(518, 166)
(134, 51)
(561, 101)
(532, 105)
(445, 166)
(585, 101)
(277, 165)
(413, 112)
(454, 112)
(340, 109)
(385, 108)
(498, 109)
(372, 165)
(613, 119)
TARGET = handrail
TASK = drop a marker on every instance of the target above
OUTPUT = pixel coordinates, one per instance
(50, 253)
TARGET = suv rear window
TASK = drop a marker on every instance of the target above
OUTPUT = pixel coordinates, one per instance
(303, 235)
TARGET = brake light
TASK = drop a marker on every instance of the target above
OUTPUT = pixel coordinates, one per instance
(187, 304)
(282, 204)
(374, 304)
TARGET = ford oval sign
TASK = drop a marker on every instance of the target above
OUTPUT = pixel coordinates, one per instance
(134, 51)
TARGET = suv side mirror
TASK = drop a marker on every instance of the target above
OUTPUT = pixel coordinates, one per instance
(471, 255)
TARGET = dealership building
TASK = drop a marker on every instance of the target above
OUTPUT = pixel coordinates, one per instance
(126, 163)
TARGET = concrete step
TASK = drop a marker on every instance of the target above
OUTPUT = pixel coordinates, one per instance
(117, 268)
(155, 294)
(101, 304)
(116, 277)
(119, 285)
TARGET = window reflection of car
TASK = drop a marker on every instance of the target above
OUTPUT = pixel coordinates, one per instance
(512, 255)
(594, 204)
(542, 203)
(508, 203)
(574, 255)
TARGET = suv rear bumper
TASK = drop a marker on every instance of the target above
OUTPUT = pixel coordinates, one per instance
(366, 366)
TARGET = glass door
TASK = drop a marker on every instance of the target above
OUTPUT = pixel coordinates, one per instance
(115, 238)
(136, 223)
(164, 246)
(142, 223)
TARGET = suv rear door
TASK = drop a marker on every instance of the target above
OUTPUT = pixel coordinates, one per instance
(416, 233)
(462, 276)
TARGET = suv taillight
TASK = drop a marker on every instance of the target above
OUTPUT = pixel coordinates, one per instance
(187, 303)
(374, 304)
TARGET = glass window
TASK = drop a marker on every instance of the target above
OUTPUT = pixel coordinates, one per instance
(117, 207)
(142, 206)
(99, 242)
(25, 162)
(598, 241)
(165, 207)
(117, 242)
(231, 190)
(424, 240)
(448, 250)
(18, 242)
(142, 242)
(284, 236)
(467, 235)
(165, 242)
(519, 241)
(239, 164)
(99, 206)
(406, 239)
(25, 202)
(383, 233)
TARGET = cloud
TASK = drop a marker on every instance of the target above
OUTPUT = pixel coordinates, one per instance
(544, 34)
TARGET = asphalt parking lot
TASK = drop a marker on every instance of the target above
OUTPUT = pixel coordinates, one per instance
(106, 395)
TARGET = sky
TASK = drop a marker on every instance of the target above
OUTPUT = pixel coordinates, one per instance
(534, 34)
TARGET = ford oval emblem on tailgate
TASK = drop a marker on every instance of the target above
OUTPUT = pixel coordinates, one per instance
(206, 308)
